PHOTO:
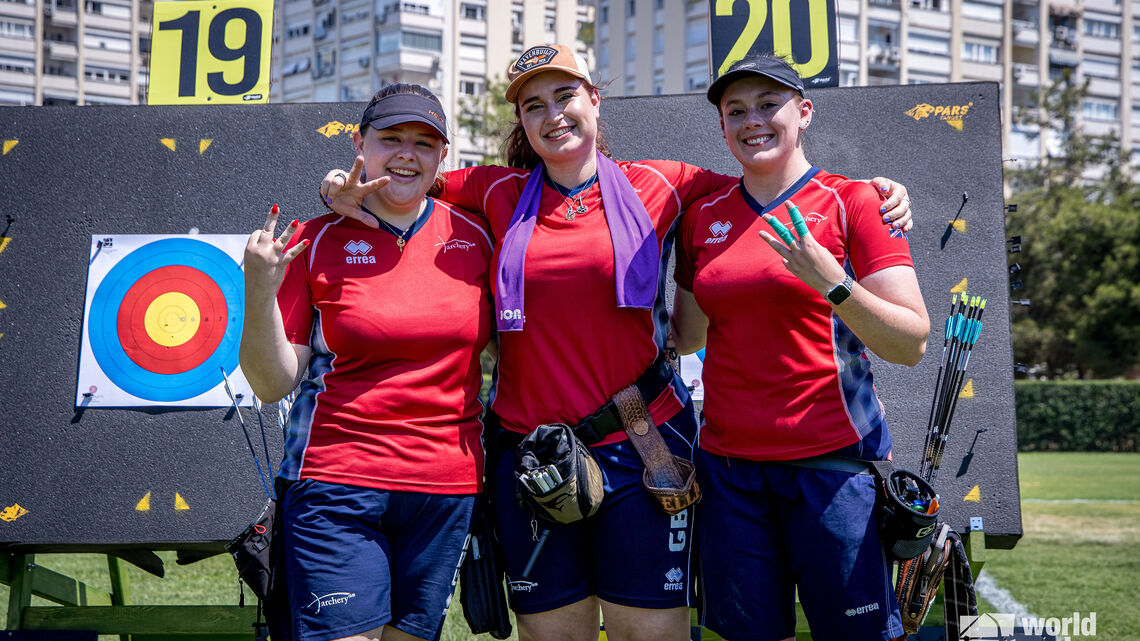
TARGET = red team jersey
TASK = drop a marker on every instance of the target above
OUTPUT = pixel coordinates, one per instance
(784, 377)
(577, 347)
(390, 400)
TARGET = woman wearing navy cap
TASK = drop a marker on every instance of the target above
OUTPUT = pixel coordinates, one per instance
(582, 244)
(789, 276)
(382, 327)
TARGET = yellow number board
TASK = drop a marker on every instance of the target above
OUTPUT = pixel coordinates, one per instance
(803, 31)
(210, 52)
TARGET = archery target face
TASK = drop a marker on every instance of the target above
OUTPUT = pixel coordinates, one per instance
(163, 321)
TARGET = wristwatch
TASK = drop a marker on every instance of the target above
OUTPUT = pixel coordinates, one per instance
(840, 292)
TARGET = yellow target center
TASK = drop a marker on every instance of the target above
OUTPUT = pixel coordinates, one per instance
(172, 319)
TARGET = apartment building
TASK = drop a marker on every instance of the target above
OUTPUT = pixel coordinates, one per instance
(661, 46)
(55, 52)
(74, 52)
(344, 50)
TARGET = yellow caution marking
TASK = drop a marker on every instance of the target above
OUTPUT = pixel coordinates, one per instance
(959, 225)
(3, 244)
(180, 503)
(169, 142)
(144, 503)
(959, 288)
(968, 390)
(203, 144)
(974, 495)
(8, 144)
(12, 512)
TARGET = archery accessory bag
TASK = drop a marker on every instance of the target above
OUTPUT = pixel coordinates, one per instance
(558, 476)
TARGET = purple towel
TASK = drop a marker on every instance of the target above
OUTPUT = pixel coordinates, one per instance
(636, 254)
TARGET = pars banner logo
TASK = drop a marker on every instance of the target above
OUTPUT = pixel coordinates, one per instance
(952, 115)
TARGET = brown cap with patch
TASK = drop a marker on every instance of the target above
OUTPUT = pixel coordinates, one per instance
(535, 60)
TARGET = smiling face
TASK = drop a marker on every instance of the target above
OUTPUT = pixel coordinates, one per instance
(761, 120)
(560, 115)
(409, 153)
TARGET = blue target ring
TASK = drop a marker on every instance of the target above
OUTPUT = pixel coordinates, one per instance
(107, 345)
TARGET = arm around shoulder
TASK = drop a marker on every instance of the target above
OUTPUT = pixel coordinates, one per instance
(689, 323)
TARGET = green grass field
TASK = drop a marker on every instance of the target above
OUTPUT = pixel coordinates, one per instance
(1075, 556)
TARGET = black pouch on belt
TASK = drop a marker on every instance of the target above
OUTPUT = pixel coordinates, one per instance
(908, 510)
(558, 475)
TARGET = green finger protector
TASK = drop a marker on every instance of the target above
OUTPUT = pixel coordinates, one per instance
(797, 219)
(781, 231)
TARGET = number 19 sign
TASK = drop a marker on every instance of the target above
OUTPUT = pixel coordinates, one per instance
(210, 52)
(803, 31)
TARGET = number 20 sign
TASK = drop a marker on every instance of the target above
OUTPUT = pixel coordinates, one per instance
(210, 52)
(802, 31)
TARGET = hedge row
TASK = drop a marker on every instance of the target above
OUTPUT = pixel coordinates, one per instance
(1088, 416)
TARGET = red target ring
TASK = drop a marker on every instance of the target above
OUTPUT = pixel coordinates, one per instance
(132, 325)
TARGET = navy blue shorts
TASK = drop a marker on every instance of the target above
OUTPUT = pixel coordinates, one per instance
(766, 529)
(630, 552)
(358, 558)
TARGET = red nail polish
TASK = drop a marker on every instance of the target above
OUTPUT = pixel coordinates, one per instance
(294, 223)
(275, 208)
(305, 242)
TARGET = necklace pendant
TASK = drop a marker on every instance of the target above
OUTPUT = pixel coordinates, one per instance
(570, 213)
(581, 209)
(400, 242)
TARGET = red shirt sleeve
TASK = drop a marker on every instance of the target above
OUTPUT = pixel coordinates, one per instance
(695, 183)
(871, 245)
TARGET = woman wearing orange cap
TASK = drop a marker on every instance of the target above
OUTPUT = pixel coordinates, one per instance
(582, 244)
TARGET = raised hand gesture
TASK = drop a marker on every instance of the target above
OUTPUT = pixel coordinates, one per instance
(807, 259)
(345, 193)
(266, 259)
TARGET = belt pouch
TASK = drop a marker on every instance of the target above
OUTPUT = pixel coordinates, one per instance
(905, 531)
(558, 476)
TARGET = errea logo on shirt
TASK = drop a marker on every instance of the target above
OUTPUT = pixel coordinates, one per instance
(719, 232)
(359, 250)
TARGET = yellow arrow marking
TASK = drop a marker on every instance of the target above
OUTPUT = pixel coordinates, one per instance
(203, 144)
(3, 244)
(974, 495)
(12, 512)
(959, 225)
(180, 503)
(8, 144)
(959, 288)
(169, 142)
(968, 390)
(2, 305)
(144, 503)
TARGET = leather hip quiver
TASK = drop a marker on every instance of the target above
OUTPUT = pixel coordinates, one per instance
(669, 478)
